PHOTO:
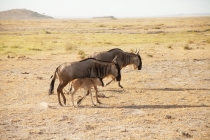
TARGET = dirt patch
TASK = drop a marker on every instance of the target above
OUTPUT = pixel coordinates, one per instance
(157, 102)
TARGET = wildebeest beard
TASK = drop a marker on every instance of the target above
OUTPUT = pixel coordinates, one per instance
(102, 71)
(140, 63)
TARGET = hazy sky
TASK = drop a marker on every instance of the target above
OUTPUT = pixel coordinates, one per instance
(117, 8)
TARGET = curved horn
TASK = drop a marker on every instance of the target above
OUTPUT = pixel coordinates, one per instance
(138, 51)
(115, 59)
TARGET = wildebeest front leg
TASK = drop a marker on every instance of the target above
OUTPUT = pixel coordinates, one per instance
(109, 82)
(91, 97)
(72, 98)
(118, 83)
(96, 90)
(80, 100)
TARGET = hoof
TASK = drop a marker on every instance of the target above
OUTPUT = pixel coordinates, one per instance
(120, 86)
(99, 102)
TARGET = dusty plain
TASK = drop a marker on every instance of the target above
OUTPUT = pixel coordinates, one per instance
(168, 99)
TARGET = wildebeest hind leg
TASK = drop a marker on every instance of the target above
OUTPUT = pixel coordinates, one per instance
(64, 98)
(60, 90)
(119, 84)
(59, 100)
(91, 97)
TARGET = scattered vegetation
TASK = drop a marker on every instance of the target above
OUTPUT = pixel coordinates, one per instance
(190, 42)
(81, 54)
(149, 55)
(186, 47)
(46, 32)
(169, 46)
(35, 49)
(70, 47)
(132, 51)
(208, 41)
(21, 38)
(101, 25)
(157, 27)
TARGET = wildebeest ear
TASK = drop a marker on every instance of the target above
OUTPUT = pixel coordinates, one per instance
(115, 60)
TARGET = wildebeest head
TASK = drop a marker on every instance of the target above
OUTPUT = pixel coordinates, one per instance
(115, 69)
(137, 61)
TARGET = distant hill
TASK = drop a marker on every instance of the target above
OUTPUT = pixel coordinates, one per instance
(105, 17)
(22, 14)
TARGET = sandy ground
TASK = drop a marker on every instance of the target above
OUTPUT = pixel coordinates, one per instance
(168, 99)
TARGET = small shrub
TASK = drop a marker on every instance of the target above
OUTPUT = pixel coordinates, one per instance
(46, 32)
(132, 51)
(169, 46)
(186, 47)
(190, 42)
(157, 27)
(70, 47)
(149, 55)
(208, 41)
(35, 49)
(108, 43)
(15, 46)
(101, 25)
(81, 54)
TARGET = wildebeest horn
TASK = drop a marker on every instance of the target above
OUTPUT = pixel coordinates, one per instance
(115, 59)
(135, 51)
(138, 51)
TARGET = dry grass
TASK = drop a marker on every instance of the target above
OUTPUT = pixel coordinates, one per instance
(167, 99)
(60, 36)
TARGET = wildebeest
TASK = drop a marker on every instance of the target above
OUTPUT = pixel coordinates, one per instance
(86, 84)
(89, 67)
(123, 59)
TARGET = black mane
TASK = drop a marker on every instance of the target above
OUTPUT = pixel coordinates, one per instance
(114, 49)
(86, 59)
(94, 59)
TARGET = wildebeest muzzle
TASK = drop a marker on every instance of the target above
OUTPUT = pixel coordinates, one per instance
(140, 66)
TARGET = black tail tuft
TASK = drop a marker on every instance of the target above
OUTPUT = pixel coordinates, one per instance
(51, 87)
(52, 83)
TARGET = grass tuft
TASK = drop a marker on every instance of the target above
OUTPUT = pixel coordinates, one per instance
(46, 32)
(186, 47)
(70, 47)
(149, 55)
(35, 49)
(169, 46)
(82, 54)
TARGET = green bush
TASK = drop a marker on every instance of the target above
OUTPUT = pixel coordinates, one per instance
(82, 54)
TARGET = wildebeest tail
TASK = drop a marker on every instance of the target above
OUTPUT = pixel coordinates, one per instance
(52, 83)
